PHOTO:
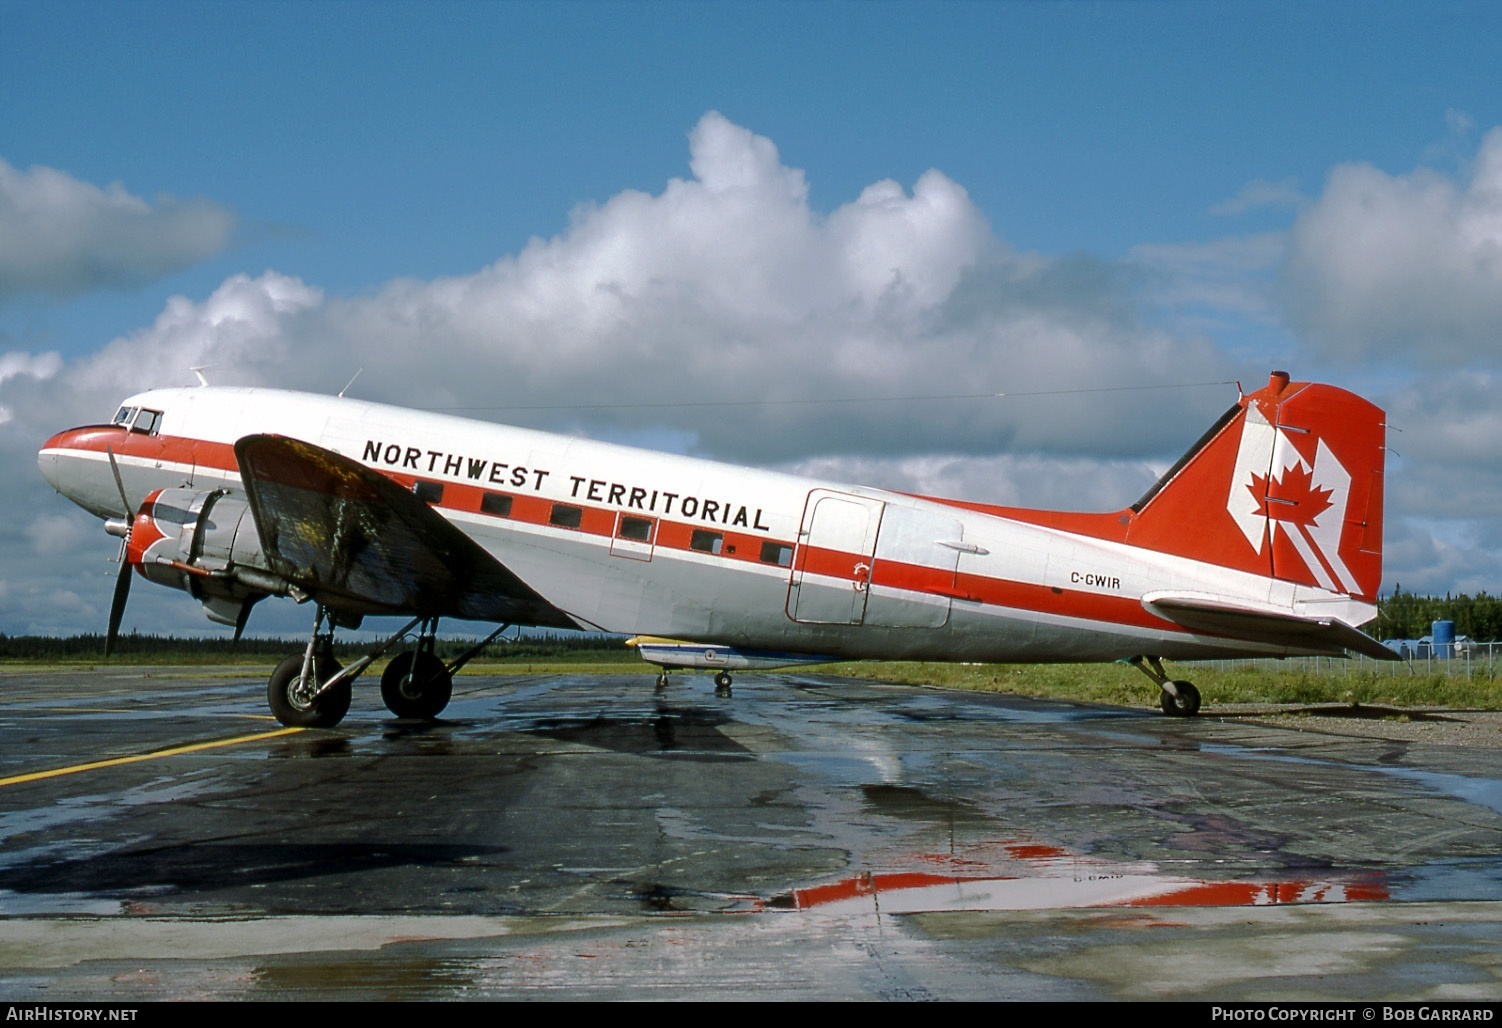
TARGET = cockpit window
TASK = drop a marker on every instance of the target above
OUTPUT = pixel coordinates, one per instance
(138, 419)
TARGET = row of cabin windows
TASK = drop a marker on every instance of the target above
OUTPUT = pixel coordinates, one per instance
(495, 504)
(705, 541)
(564, 515)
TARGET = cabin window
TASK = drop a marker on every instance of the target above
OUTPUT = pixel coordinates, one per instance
(428, 492)
(780, 554)
(636, 529)
(705, 541)
(496, 504)
(147, 421)
(565, 516)
(123, 416)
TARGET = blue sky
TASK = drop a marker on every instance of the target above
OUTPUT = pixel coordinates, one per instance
(1121, 193)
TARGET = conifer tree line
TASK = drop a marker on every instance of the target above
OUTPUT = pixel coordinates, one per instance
(1408, 616)
(91, 647)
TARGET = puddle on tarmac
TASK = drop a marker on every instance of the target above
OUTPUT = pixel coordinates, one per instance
(1484, 792)
(17, 904)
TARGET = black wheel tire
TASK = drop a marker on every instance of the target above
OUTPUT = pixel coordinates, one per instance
(1186, 704)
(324, 712)
(426, 695)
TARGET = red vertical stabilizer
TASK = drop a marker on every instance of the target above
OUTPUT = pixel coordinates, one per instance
(1288, 484)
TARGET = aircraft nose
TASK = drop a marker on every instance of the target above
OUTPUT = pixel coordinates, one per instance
(76, 463)
(51, 456)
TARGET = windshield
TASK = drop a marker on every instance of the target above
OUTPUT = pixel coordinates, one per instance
(138, 419)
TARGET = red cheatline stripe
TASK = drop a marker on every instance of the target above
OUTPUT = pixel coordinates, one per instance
(677, 536)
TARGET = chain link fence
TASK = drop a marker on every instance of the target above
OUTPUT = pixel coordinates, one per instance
(1464, 658)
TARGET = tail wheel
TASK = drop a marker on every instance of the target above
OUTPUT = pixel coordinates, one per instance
(427, 692)
(1186, 704)
(294, 707)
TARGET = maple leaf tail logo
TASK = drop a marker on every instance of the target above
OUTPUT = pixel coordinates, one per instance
(1304, 490)
(1295, 502)
(1298, 500)
(1293, 499)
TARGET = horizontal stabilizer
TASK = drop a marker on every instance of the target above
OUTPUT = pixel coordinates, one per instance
(1279, 627)
(677, 654)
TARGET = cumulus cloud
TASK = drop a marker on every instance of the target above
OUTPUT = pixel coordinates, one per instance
(1444, 482)
(60, 236)
(1406, 266)
(1452, 420)
(1226, 277)
(1076, 484)
(57, 533)
(14, 364)
(241, 331)
(1438, 558)
(1445, 485)
(728, 286)
(38, 366)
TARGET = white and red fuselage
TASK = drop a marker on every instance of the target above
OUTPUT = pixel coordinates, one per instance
(1278, 511)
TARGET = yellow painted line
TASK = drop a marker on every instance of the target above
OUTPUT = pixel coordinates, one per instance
(94, 765)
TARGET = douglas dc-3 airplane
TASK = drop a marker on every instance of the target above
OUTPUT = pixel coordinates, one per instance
(1265, 539)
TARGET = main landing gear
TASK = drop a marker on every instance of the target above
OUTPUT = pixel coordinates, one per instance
(416, 684)
(1179, 699)
(312, 690)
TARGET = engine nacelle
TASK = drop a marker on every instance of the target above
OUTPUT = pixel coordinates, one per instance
(205, 543)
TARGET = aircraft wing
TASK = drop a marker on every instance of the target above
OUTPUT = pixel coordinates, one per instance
(1218, 616)
(358, 542)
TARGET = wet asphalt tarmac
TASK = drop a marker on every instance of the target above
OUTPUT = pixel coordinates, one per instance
(809, 837)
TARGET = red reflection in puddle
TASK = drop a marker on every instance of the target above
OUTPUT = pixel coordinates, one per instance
(1041, 877)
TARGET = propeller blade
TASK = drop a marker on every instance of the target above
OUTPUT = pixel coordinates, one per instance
(122, 579)
(242, 618)
(117, 606)
(125, 510)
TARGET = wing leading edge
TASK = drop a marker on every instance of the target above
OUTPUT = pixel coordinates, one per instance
(358, 542)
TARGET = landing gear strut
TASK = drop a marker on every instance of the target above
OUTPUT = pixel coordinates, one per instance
(1179, 699)
(308, 690)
